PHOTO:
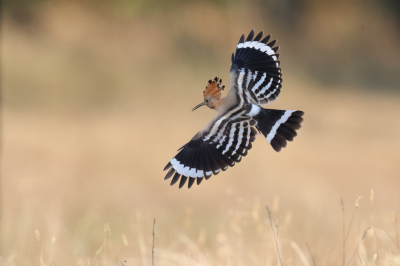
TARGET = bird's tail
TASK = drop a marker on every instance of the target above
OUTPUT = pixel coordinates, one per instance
(279, 126)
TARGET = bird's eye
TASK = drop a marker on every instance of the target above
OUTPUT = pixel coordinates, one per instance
(206, 101)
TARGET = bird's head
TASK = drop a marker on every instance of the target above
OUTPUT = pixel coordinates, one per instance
(212, 94)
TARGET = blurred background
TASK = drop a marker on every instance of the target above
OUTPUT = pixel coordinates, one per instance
(97, 98)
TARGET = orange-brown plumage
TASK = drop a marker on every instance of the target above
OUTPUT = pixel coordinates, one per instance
(212, 93)
(214, 88)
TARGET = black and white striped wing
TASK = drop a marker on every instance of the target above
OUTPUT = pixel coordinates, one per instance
(223, 145)
(257, 62)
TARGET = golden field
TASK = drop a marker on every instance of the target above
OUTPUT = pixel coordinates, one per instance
(94, 107)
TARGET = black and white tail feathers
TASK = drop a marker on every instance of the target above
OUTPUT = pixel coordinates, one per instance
(279, 126)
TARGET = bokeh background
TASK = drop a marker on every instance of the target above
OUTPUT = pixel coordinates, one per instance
(97, 98)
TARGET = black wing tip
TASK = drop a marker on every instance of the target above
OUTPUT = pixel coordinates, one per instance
(191, 181)
(259, 36)
(276, 145)
(250, 36)
(175, 178)
(183, 181)
(271, 44)
(241, 40)
(266, 39)
(275, 49)
(169, 174)
(298, 113)
(167, 166)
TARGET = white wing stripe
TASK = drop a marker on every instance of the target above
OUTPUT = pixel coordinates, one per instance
(213, 130)
(239, 138)
(177, 166)
(248, 78)
(227, 146)
(179, 169)
(255, 109)
(269, 94)
(270, 52)
(231, 133)
(266, 48)
(259, 82)
(237, 144)
(246, 44)
(248, 137)
(174, 162)
(252, 44)
(192, 172)
(186, 171)
(220, 137)
(199, 173)
(266, 87)
(258, 46)
(282, 120)
(221, 141)
(255, 74)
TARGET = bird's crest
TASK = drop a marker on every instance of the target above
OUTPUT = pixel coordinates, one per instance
(214, 88)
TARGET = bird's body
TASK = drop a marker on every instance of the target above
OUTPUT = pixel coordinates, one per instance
(255, 79)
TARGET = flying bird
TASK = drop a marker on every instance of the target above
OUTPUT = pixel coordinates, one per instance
(255, 79)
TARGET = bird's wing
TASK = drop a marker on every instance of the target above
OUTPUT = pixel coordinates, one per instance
(255, 67)
(222, 143)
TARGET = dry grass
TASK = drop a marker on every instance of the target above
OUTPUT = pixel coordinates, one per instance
(66, 175)
(82, 181)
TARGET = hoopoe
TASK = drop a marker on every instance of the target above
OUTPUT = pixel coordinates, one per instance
(255, 79)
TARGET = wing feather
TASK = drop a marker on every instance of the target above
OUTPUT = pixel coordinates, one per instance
(207, 155)
(259, 61)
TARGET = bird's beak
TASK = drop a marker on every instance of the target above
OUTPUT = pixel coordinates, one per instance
(199, 105)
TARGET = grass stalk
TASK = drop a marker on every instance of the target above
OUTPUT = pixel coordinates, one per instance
(152, 249)
(394, 219)
(356, 205)
(372, 199)
(141, 239)
(344, 234)
(275, 237)
(358, 246)
(53, 240)
(312, 256)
